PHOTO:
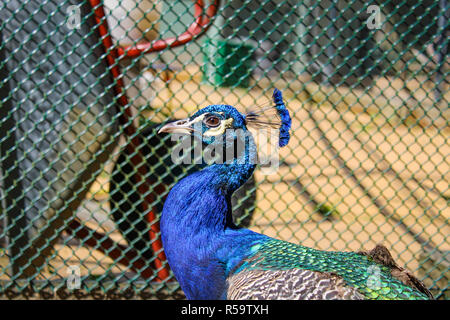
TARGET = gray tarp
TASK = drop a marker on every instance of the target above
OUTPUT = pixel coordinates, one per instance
(57, 119)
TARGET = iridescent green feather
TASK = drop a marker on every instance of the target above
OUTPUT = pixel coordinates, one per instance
(373, 280)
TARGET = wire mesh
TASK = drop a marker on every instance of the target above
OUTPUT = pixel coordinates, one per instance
(85, 85)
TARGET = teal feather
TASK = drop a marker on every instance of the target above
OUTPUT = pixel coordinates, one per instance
(355, 269)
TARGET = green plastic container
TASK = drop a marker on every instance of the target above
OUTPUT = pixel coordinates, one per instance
(227, 63)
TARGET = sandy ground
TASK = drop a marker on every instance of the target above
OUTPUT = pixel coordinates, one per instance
(405, 168)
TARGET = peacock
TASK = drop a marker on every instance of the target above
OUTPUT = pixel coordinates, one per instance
(212, 258)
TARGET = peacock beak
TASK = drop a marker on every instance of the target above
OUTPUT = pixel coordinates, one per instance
(180, 126)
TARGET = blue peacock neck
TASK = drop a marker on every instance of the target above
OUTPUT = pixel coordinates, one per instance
(200, 240)
(233, 173)
(201, 243)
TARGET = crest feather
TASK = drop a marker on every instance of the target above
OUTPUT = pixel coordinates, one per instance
(273, 116)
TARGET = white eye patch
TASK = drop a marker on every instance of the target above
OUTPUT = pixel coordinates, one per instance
(224, 124)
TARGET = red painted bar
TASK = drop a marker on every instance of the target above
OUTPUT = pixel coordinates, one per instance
(113, 55)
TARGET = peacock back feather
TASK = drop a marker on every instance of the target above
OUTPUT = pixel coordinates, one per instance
(358, 275)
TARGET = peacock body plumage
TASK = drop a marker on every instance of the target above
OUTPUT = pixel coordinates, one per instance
(213, 259)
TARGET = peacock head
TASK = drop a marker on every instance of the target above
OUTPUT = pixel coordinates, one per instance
(208, 124)
(223, 126)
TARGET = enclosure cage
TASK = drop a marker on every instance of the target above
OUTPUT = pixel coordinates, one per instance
(85, 85)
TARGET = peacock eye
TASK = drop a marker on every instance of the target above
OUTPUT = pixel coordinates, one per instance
(212, 121)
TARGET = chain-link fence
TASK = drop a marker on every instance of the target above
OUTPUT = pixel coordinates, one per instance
(86, 83)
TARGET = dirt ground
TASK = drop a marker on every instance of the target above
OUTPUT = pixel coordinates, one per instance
(399, 171)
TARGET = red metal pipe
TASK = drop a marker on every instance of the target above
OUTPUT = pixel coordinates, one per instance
(200, 25)
(113, 55)
(133, 147)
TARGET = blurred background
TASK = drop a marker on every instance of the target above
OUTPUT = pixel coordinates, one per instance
(85, 85)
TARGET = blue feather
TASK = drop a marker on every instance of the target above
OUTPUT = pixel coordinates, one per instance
(286, 121)
(201, 243)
